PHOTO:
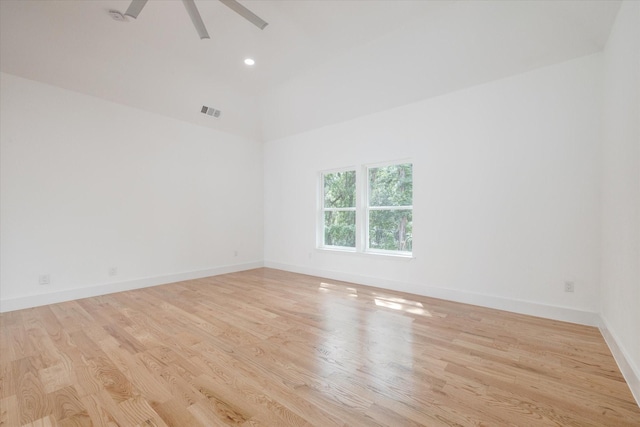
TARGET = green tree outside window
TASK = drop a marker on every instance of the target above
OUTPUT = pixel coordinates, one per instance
(390, 208)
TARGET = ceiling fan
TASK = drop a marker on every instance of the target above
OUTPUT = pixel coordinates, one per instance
(136, 6)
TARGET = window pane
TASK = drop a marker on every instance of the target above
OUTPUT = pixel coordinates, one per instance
(340, 228)
(340, 190)
(391, 185)
(391, 230)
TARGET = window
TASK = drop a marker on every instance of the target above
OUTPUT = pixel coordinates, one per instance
(390, 208)
(339, 209)
(368, 212)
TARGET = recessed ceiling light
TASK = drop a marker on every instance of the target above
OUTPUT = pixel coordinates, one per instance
(249, 62)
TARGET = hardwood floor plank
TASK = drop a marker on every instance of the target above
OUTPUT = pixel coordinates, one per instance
(206, 415)
(99, 415)
(175, 414)
(66, 404)
(54, 378)
(43, 422)
(19, 342)
(7, 378)
(273, 385)
(138, 411)
(231, 412)
(270, 348)
(255, 400)
(134, 371)
(32, 401)
(9, 412)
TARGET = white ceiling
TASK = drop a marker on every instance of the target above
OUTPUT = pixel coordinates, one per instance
(318, 61)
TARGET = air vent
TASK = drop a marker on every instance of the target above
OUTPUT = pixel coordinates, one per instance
(210, 111)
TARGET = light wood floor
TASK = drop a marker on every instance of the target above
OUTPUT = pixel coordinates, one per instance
(270, 348)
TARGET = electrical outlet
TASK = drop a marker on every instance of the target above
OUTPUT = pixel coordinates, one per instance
(568, 286)
(44, 279)
(113, 271)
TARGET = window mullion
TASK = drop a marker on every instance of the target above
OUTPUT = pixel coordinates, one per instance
(364, 196)
(320, 214)
(339, 209)
(390, 208)
(358, 212)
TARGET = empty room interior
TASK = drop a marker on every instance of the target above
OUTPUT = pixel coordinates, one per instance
(207, 212)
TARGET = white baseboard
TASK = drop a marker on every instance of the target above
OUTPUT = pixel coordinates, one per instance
(629, 370)
(564, 314)
(35, 300)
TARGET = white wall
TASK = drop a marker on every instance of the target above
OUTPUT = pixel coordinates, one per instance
(87, 185)
(621, 190)
(506, 193)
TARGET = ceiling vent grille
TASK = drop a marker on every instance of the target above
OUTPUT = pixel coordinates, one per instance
(210, 111)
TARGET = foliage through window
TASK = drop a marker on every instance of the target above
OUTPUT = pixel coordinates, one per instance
(339, 209)
(370, 214)
(390, 208)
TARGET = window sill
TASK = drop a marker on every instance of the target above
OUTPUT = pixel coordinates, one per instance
(347, 251)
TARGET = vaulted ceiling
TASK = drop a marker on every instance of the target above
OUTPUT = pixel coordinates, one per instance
(317, 62)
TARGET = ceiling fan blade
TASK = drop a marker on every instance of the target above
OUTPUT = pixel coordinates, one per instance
(196, 18)
(245, 13)
(134, 8)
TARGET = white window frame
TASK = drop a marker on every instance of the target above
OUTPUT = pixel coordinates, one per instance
(362, 210)
(322, 209)
(368, 208)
